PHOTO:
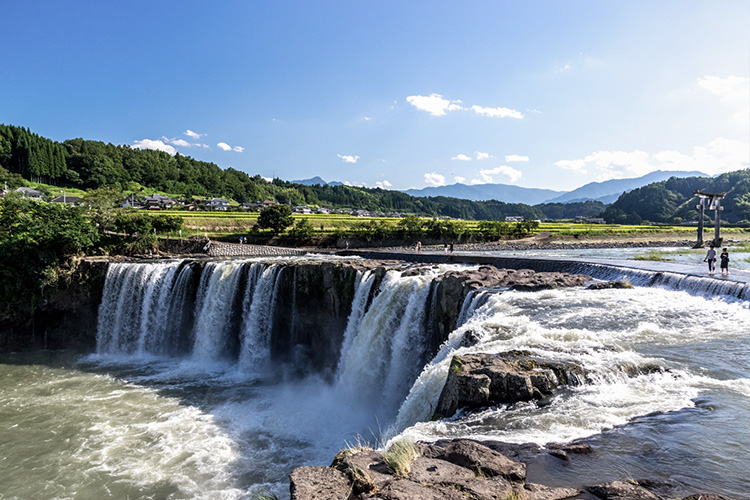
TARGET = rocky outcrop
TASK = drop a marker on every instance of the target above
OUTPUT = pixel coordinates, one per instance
(64, 318)
(481, 380)
(605, 285)
(458, 469)
(451, 289)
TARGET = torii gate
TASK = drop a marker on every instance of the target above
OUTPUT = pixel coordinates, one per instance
(712, 201)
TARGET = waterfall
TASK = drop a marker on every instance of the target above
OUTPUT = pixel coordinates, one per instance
(214, 309)
(704, 286)
(362, 289)
(258, 316)
(137, 314)
(375, 366)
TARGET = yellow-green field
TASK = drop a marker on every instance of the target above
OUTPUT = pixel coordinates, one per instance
(231, 223)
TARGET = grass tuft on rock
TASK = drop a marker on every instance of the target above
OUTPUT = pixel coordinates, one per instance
(399, 457)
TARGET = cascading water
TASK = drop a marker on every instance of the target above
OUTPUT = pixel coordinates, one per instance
(375, 365)
(136, 302)
(214, 386)
(258, 311)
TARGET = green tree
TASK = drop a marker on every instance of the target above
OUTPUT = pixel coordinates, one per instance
(303, 229)
(276, 218)
(35, 239)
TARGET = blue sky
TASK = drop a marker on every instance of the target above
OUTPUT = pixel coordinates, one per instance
(397, 94)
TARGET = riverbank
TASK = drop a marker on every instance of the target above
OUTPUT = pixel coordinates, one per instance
(548, 241)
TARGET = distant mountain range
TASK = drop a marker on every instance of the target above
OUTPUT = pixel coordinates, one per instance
(606, 192)
(317, 180)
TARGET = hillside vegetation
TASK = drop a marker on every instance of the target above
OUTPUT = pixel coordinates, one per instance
(673, 201)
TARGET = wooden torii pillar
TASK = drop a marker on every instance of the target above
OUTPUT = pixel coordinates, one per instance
(711, 201)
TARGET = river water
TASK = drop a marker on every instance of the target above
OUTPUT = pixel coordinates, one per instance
(148, 419)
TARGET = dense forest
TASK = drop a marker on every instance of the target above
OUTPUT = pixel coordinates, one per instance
(86, 164)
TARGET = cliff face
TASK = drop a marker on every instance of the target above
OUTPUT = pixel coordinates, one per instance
(311, 305)
(311, 309)
(65, 319)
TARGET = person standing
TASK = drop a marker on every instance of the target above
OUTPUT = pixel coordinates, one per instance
(711, 259)
(724, 262)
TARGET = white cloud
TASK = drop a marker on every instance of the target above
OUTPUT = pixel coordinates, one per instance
(718, 156)
(733, 88)
(155, 144)
(383, 184)
(434, 179)
(733, 91)
(194, 135)
(497, 112)
(512, 158)
(510, 173)
(349, 158)
(434, 104)
(459, 179)
(461, 157)
(482, 156)
(226, 147)
(181, 142)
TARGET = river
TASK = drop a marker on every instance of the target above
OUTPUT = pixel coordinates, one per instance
(150, 415)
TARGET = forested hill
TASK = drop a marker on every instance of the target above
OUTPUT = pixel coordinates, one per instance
(673, 201)
(87, 164)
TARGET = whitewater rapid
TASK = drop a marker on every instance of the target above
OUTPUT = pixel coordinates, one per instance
(169, 407)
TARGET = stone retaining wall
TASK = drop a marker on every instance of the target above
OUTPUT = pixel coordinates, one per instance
(221, 249)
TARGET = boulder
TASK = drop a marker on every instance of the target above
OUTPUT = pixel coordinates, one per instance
(434, 471)
(604, 285)
(539, 492)
(622, 490)
(480, 380)
(404, 489)
(318, 483)
(365, 468)
(482, 460)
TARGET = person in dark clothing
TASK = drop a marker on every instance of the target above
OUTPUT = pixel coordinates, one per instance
(724, 258)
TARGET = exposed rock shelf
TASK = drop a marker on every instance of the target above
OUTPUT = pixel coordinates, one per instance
(454, 470)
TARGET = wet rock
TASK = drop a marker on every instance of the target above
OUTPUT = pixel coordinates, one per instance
(707, 496)
(539, 492)
(609, 284)
(318, 483)
(621, 490)
(480, 380)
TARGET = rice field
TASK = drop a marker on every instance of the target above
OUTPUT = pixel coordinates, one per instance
(236, 223)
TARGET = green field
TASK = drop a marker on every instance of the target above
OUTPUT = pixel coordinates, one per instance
(236, 223)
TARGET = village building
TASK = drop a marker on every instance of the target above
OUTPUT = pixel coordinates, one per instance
(27, 192)
(157, 202)
(217, 204)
